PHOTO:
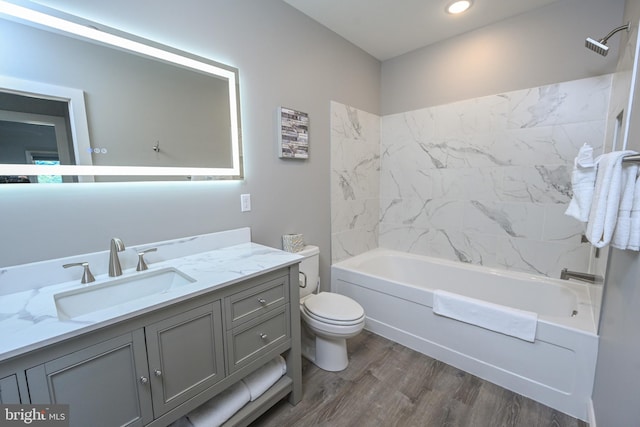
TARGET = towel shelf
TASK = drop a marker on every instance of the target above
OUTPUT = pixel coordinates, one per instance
(633, 158)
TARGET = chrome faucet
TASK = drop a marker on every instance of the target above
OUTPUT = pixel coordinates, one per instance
(566, 274)
(114, 262)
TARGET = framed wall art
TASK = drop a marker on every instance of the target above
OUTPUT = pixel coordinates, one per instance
(293, 134)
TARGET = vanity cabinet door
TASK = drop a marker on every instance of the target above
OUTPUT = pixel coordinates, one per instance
(105, 384)
(185, 355)
(9, 390)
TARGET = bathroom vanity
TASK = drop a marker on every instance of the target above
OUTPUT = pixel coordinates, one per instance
(153, 359)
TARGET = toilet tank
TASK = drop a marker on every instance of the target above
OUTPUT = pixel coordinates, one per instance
(309, 269)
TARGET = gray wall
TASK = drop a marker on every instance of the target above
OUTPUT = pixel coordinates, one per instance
(616, 392)
(534, 49)
(285, 59)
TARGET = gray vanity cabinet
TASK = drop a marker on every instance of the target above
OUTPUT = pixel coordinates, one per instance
(165, 363)
(104, 384)
(185, 355)
(151, 369)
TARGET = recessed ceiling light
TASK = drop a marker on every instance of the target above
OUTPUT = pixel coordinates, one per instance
(458, 6)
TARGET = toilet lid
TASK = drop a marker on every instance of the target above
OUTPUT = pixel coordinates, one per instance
(334, 306)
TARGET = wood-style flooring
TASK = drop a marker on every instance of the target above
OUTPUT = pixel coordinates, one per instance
(387, 384)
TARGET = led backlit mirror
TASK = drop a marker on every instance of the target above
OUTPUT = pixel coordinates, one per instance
(130, 109)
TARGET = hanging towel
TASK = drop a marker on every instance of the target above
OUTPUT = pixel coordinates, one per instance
(606, 198)
(583, 180)
(634, 233)
(499, 318)
(622, 233)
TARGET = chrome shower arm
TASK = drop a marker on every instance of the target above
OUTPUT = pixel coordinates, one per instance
(615, 30)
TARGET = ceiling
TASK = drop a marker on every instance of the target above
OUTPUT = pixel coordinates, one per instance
(388, 28)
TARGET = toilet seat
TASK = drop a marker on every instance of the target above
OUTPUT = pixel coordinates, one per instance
(328, 330)
(334, 309)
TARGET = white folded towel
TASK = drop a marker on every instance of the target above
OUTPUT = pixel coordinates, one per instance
(259, 381)
(606, 198)
(506, 320)
(634, 228)
(583, 180)
(622, 232)
(216, 411)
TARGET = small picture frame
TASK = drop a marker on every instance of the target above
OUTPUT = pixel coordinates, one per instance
(293, 134)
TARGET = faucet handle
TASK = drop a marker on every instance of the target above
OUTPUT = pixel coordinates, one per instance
(87, 277)
(142, 265)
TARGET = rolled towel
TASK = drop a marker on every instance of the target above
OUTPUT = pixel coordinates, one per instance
(583, 180)
(622, 232)
(216, 411)
(259, 381)
(634, 229)
(606, 198)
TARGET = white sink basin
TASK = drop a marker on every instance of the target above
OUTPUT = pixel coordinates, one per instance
(92, 298)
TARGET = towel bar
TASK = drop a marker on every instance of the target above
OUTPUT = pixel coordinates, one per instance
(633, 158)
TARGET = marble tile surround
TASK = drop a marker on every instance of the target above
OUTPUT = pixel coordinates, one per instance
(483, 181)
(355, 181)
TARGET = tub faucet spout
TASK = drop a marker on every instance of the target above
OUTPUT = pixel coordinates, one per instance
(566, 274)
(114, 262)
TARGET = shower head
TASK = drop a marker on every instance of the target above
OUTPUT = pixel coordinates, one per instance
(600, 46)
(597, 46)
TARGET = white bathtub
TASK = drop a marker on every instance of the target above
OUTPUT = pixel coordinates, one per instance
(557, 369)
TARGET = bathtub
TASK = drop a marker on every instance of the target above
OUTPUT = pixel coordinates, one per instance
(556, 369)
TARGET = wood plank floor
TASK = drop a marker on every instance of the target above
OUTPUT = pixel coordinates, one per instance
(387, 384)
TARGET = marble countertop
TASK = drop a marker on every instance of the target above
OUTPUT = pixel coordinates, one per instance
(29, 320)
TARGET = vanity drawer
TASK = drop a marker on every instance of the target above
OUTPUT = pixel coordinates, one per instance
(249, 341)
(256, 301)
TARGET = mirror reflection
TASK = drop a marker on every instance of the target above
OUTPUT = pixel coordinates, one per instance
(34, 131)
(144, 116)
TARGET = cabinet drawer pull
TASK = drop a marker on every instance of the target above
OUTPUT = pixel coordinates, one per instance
(157, 372)
(262, 335)
(144, 380)
(262, 301)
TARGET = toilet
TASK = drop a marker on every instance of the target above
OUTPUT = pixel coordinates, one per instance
(328, 319)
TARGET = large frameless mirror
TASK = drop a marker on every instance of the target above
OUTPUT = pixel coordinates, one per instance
(80, 102)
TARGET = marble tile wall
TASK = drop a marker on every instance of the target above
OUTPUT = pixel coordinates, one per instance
(486, 180)
(483, 181)
(355, 181)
